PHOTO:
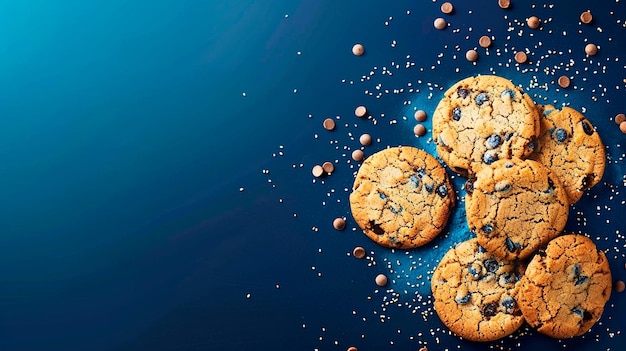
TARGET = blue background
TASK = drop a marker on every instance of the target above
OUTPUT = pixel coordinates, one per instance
(128, 128)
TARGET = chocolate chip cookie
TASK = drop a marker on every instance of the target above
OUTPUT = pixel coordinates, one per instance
(401, 197)
(475, 293)
(515, 206)
(565, 287)
(483, 119)
(571, 147)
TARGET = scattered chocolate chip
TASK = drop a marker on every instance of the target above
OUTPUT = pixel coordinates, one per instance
(440, 23)
(419, 130)
(591, 49)
(471, 55)
(484, 41)
(521, 57)
(328, 167)
(360, 111)
(329, 124)
(420, 115)
(447, 8)
(317, 171)
(365, 139)
(358, 252)
(358, 155)
(586, 17)
(381, 280)
(533, 22)
(339, 223)
(358, 49)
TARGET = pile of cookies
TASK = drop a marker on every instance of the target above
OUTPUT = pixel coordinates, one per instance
(525, 165)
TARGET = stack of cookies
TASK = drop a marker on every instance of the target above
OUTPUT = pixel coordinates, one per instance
(525, 165)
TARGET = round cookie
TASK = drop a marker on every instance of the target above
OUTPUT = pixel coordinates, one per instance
(475, 293)
(515, 206)
(570, 146)
(565, 287)
(401, 197)
(482, 119)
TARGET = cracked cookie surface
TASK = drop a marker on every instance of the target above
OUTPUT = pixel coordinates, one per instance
(482, 119)
(401, 197)
(476, 293)
(515, 206)
(572, 148)
(565, 287)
